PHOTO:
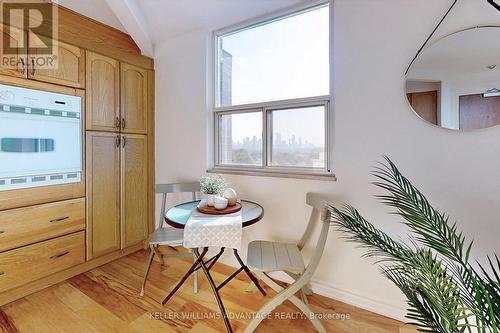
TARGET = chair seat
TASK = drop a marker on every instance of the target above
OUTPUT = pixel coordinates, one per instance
(167, 236)
(268, 256)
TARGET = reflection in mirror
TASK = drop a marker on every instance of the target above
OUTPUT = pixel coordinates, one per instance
(455, 82)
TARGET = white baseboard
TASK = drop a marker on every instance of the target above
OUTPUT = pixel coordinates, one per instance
(364, 302)
(380, 307)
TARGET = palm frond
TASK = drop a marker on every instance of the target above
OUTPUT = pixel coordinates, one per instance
(359, 230)
(430, 226)
(444, 291)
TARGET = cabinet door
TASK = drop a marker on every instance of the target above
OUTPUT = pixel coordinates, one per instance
(103, 193)
(69, 69)
(134, 189)
(134, 99)
(103, 93)
(13, 64)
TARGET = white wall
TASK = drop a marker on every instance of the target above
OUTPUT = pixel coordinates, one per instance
(374, 42)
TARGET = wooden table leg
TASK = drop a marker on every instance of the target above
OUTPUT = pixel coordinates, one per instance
(247, 271)
(185, 277)
(216, 292)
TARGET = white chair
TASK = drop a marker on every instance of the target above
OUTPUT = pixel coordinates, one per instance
(265, 257)
(169, 236)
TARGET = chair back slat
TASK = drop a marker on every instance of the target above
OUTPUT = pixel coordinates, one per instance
(313, 218)
(177, 187)
(319, 214)
(320, 244)
(317, 202)
(191, 187)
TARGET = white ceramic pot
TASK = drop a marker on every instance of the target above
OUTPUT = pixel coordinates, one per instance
(210, 199)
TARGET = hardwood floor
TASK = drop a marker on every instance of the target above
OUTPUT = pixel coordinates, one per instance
(106, 299)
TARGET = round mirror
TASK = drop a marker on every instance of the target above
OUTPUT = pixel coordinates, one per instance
(455, 82)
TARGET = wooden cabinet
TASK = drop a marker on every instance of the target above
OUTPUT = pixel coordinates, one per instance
(117, 96)
(35, 261)
(13, 64)
(68, 71)
(117, 188)
(47, 232)
(23, 226)
(103, 93)
(103, 193)
(134, 99)
(66, 68)
(134, 189)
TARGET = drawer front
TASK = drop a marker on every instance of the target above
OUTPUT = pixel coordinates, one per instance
(23, 226)
(32, 262)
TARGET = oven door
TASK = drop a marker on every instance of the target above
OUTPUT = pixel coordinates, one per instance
(39, 149)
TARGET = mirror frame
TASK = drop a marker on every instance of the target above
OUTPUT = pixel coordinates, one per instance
(405, 79)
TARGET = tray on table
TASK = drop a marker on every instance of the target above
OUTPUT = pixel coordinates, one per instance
(205, 209)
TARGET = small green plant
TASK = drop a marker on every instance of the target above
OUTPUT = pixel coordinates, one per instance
(212, 184)
(445, 292)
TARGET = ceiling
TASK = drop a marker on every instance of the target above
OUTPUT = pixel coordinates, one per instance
(470, 51)
(95, 9)
(171, 18)
(160, 20)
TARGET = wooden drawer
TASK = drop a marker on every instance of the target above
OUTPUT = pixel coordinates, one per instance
(23, 226)
(33, 262)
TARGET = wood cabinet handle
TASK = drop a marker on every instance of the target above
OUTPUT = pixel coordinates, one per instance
(2, 273)
(123, 123)
(23, 68)
(118, 122)
(117, 140)
(59, 255)
(2, 232)
(124, 141)
(33, 70)
(59, 219)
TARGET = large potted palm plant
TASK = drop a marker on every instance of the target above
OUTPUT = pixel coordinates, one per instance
(446, 291)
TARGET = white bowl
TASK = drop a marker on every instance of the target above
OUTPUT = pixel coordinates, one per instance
(220, 203)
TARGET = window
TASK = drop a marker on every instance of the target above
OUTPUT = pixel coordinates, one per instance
(272, 86)
(240, 137)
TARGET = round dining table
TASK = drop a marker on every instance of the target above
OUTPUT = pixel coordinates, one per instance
(179, 215)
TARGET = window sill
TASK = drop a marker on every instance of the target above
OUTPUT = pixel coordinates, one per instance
(278, 174)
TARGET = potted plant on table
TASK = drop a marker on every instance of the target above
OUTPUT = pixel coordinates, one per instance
(212, 186)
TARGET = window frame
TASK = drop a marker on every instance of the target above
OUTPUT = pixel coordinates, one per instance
(266, 108)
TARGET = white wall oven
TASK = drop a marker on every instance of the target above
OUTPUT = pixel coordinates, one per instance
(40, 138)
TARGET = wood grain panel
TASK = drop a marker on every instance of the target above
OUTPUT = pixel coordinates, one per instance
(478, 112)
(106, 299)
(32, 84)
(134, 201)
(103, 92)
(15, 62)
(35, 261)
(134, 99)
(103, 194)
(425, 105)
(29, 288)
(23, 226)
(151, 151)
(86, 33)
(69, 70)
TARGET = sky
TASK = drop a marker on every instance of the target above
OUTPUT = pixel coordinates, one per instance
(284, 59)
